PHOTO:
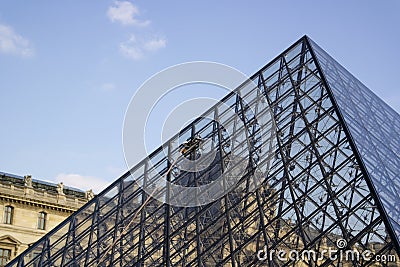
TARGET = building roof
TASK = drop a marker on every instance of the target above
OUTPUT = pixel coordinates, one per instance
(39, 184)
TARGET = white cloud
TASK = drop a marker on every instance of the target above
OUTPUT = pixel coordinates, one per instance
(155, 44)
(125, 13)
(131, 48)
(135, 48)
(83, 182)
(13, 43)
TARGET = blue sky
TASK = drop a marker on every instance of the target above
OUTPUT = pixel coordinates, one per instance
(69, 69)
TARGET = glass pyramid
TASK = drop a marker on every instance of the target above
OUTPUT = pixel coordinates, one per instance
(331, 185)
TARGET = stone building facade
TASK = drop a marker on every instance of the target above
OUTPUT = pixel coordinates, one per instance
(30, 208)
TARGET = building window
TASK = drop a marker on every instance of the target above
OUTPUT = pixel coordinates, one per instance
(42, 220)
(8, 214)
(4, 256)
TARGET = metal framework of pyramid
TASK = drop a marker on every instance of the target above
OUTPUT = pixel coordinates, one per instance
(334, 176)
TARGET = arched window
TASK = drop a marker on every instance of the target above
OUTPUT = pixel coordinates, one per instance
(8, 214)
(42, 220)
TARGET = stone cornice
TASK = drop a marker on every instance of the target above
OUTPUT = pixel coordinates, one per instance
(37, 203)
